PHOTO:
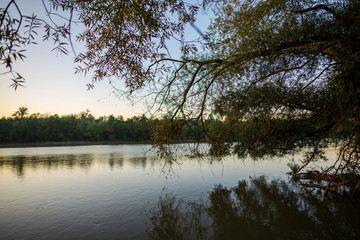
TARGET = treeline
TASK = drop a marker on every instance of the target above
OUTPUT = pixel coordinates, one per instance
(25, 128)
(81, 127)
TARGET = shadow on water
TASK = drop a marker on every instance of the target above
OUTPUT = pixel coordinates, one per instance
(254, 209)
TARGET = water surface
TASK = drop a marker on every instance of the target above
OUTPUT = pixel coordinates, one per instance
(106, 191)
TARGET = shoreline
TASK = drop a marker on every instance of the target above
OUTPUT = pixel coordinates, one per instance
(71, 143)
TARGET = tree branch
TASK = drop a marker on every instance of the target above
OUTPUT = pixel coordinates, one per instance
(327, 9)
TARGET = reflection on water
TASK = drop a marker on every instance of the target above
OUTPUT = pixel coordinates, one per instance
(255, 209)
(20, 163)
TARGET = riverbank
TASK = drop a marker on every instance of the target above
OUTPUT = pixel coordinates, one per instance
(72, 143)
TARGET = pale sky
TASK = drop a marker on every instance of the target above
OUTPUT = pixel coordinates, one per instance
(52, 87)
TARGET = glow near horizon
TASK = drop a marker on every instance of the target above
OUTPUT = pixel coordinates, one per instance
(52, 87)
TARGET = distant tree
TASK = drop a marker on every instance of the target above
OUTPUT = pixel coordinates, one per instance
(87, 116)
(21, 112)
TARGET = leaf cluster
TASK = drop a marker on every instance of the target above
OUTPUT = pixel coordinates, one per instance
(124, 37)
(18, 31)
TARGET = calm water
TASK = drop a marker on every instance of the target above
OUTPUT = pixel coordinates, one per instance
(124, 192)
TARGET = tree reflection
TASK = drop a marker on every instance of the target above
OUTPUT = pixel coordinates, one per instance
(115, 160)
(20, 163)
(138, 161)
(17, 165)
(255, 209)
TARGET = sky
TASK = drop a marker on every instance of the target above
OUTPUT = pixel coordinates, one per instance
(52, 86)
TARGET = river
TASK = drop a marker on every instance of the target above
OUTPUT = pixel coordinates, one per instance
(122, 191)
